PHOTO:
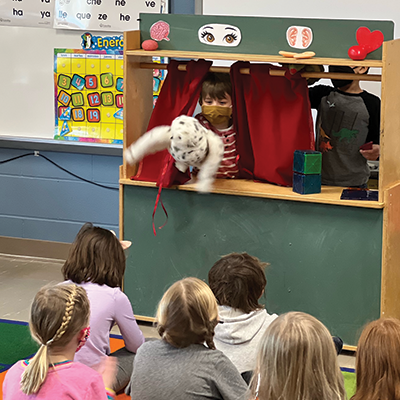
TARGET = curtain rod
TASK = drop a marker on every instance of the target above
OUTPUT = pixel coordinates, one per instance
(277, 72)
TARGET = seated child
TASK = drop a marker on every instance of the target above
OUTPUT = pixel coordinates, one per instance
(297, 360)
(216, 115)
(377, 361)
(238, 281)
(348, 117)
(96, 262)
(59, 322)
(184, 364)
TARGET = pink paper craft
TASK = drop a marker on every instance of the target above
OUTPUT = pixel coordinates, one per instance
(159, 31)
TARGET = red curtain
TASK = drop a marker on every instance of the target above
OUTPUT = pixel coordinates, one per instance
(179, 95)
(272, 116)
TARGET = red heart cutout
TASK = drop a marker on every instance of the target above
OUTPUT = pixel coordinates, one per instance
(369, 40)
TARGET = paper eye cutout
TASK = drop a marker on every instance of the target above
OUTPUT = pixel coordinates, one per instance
(220, 35)
(299, 37)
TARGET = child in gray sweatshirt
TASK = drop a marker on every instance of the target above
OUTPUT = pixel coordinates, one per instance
(238, 281)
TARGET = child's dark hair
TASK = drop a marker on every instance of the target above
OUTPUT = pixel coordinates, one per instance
(95, 256)
(187, 314)
(216, 85)
(238, 281)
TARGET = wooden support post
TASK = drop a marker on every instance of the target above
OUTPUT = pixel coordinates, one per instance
(389, 165)
(138, 99)
(390, 304)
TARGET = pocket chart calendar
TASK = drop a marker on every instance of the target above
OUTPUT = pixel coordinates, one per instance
(89, 95)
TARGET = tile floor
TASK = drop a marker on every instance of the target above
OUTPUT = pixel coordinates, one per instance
(21, 277)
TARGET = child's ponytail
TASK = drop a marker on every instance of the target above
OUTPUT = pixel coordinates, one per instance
(63, 309)
(209, 336)
(36, 371)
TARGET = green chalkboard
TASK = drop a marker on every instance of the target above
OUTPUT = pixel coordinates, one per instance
(260, 35)
(325, 259)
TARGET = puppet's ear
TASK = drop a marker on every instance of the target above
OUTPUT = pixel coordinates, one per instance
(156, 139)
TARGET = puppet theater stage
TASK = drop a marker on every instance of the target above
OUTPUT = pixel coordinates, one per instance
(335, 259)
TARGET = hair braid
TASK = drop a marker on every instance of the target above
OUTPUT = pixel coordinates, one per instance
(63, 309)
(69, 309)
(209, 335)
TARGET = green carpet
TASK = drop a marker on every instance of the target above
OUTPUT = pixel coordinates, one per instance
(15, 343)
(349, 381)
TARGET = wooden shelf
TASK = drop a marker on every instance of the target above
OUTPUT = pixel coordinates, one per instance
(242, 187)
(252, 58)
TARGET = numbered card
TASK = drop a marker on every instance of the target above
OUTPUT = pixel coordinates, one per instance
(38, 13)
(104, 15)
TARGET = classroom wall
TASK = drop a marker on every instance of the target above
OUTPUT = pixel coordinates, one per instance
(183, 6)
(38, 201)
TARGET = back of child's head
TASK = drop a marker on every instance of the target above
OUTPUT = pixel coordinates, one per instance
(187, 314)
(216, 85)
(95, 256)
(238, 281)
(58, 313)
(378, 361)
(297, 360)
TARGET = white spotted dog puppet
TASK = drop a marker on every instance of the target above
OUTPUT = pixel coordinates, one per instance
(189, 143)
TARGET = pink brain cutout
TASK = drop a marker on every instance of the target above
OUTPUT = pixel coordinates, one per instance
(159, 31)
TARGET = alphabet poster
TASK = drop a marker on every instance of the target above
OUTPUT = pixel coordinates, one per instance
(37, 13)
(104, 15)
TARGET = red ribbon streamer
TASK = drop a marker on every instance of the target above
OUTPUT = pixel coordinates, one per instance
(167, 161)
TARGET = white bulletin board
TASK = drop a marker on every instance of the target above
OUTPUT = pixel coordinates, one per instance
(337, 9)
(27, 103)
(104, 15)
(37, 13)
(27, 108)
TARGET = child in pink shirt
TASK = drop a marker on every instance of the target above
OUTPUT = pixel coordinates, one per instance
(96, 262)
(59, 323)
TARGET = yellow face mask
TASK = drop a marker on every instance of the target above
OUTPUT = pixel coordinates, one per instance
(216, 115)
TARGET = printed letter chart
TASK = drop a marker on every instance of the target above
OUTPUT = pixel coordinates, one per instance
(104, 15)
(37, 13)
(89, 95)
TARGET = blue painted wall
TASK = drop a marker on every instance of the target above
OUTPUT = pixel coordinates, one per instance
(39, 201)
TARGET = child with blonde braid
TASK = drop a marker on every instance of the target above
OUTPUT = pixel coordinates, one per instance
(59, 323)
(185, 365)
